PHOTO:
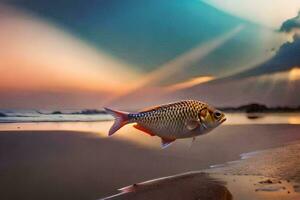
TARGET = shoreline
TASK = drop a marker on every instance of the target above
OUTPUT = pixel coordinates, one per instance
(238, 118)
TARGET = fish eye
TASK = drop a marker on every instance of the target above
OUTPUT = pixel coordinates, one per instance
(217, 114)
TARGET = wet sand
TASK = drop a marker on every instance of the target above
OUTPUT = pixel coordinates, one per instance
(210, 186)
(183, 186)
(84, 165)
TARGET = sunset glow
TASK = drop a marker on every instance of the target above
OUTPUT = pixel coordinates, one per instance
(294, 120)
(294, 74)
(289, 75)
(55, 62)
(191, 82)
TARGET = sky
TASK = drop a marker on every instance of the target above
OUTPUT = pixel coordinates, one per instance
(270, 13)
(84, 54)
(34, 51)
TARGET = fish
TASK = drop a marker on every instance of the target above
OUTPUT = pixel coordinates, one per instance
(172, 121)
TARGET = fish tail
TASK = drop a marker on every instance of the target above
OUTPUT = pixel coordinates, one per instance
(121, 119)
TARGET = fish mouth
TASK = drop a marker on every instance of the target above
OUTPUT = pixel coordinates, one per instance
(222, 120)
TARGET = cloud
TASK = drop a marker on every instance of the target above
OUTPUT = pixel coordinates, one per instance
(291, 24)
(286, 58)
(269, 13)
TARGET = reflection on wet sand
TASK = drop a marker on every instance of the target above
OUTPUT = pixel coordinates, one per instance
(294, 120)
(262, 118)
(99, 129)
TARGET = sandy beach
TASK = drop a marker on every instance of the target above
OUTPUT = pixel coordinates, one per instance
(60, 164)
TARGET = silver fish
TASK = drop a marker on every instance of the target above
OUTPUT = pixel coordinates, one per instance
(184, 119)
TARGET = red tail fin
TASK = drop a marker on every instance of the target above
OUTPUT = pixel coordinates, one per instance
(121, 118)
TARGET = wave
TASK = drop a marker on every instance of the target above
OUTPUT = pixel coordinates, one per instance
(87, 115)
(82, 112)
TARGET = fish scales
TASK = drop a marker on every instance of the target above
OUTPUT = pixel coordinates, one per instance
(172, 117)
(184, 119)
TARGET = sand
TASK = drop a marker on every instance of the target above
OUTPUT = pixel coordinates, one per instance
(183, 186)
(209, 186)
(82, 165)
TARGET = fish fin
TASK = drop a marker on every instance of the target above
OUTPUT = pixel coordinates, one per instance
(192, 124)
(204, 126)
(203, 114)
(149, 109)
(145, 130)
(166, 142)
(121, 119)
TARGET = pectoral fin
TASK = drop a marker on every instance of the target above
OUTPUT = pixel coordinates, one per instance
(203, 114)
(166, 142)
(192, 124)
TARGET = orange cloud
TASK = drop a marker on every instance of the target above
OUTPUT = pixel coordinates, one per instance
(36, 55)
(190, 82)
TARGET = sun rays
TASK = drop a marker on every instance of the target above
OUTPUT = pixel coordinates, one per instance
(178, 64)
(190, 83)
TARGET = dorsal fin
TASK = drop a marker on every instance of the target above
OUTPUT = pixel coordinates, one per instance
(160, 106)
(149, 108)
